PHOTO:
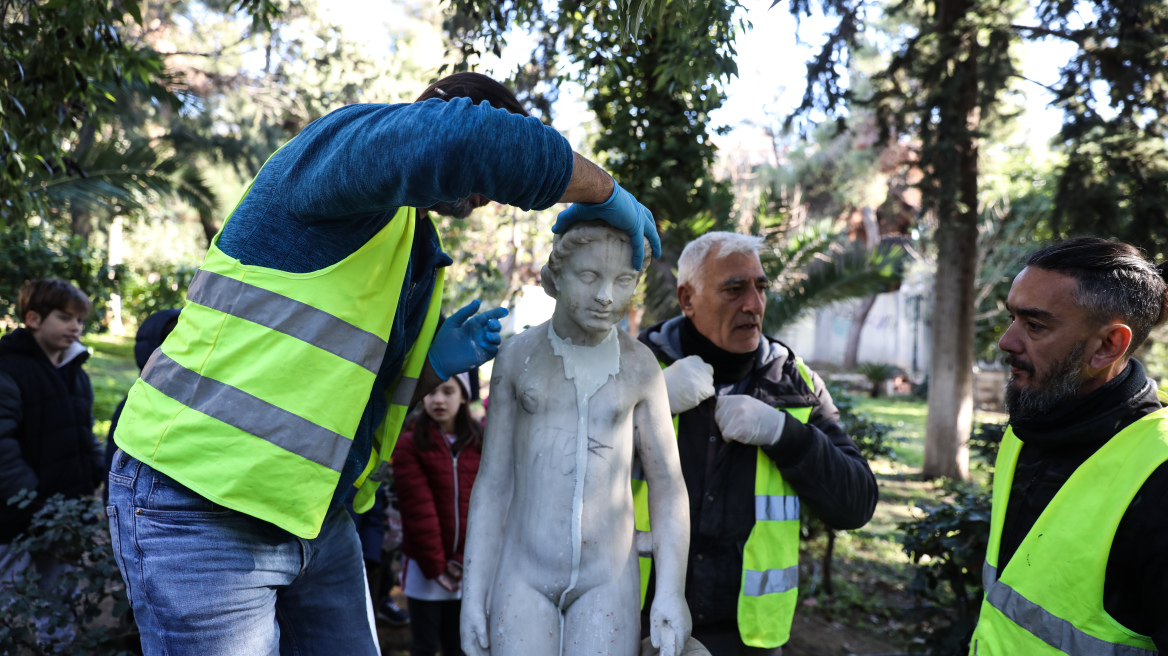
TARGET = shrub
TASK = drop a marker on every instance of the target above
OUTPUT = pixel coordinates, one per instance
(948, 545)
(877, 373)
(872, 437)
(75, 532)
(147, 292)
(34, 254)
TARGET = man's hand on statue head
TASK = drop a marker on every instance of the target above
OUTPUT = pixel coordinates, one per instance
(747, 420)
(466, 340)
(622, 212)
(688, 381)
(669, 624)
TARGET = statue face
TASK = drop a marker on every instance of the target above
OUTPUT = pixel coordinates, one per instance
(595, 286)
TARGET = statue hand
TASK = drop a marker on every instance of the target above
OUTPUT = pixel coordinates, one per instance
(669, 624)
(473, 629)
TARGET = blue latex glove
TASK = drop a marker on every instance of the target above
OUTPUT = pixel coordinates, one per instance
(622, 212)
(465, 340)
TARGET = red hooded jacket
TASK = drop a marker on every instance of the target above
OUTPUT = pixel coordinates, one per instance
(433, 491)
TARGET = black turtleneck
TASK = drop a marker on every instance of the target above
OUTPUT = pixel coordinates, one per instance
(1054, 446)
(728, 367)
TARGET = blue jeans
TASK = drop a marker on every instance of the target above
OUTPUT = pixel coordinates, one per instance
(206, 580)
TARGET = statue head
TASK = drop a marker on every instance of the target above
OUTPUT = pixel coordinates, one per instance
(590, 274)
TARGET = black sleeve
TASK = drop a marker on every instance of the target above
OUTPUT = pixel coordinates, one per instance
(825, 467)
(15, 473)
(96, 451)
(1135, 592)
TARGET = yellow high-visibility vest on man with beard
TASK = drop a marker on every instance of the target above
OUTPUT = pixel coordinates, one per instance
(1049, 598)
(254, 400)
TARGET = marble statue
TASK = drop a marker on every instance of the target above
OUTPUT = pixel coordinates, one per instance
(551, 553)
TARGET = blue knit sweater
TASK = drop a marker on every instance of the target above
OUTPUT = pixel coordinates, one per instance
(341, 180)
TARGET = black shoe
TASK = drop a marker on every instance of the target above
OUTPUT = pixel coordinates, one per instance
(388, 612)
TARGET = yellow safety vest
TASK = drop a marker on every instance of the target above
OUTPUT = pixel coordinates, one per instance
(254, 400)
(1049, 599)
(770, 559)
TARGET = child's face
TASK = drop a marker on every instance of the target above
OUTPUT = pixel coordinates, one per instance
(442, 404)
(596, 284)
(58, 330)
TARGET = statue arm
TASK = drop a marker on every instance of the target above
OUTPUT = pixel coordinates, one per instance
(489, 501)
(668, 513)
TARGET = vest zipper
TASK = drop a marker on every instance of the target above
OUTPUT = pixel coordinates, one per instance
(454, 546)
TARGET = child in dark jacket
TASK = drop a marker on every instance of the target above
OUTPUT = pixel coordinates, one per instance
(46, 409)
(434, 467)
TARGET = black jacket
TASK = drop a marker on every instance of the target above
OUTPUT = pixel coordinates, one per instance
(1135, 591)
(46, 428)
(818, 459)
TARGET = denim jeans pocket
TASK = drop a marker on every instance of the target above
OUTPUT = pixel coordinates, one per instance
(169, 498)
(116, 545)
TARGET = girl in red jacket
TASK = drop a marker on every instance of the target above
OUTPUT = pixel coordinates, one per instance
(434, 467)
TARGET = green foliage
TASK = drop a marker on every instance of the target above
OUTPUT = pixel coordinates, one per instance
(813, 266)
(871, 437)
(877, 373)
(948, 544)
(74, 532)
(121, 179)
(1115, 179)
(652, 95)
(147, 292)
(36, 253)
(63, 61)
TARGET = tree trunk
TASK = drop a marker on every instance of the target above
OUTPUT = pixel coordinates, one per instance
(860, 314)
(81, 222)
(951, 372)
(855, 329)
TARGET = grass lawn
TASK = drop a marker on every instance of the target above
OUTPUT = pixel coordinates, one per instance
(112, 371)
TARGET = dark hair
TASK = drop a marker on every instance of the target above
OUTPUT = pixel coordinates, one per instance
(478, 88)
(466, 428)
(1115, 282)
(44, 295)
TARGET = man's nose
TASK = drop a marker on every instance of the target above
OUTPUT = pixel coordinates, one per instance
(755, 302)
(1009, 341)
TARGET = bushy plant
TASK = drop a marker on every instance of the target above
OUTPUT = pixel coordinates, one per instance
(870, 436)
(985, 442)
(88, 597)
(35, 253)
(161, 287)
(948, 545)
(877, 374)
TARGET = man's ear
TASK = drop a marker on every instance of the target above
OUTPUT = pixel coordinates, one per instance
(1114, 339)
(33, 320)
(685, 298)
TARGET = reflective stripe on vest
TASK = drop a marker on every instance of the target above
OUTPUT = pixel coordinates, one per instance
(770, 576)
(1053, 603)
(255, 397)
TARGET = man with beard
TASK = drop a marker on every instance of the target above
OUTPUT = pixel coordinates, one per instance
(1078, 553)
(758, 436)
(309, 330)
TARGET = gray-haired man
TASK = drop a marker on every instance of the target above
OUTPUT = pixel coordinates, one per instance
(758, 435)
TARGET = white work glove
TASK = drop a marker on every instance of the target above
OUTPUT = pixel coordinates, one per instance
(689, 381)
(747, 420)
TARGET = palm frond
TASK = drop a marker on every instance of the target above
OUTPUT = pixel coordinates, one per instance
(838, 274)
(125, 180)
